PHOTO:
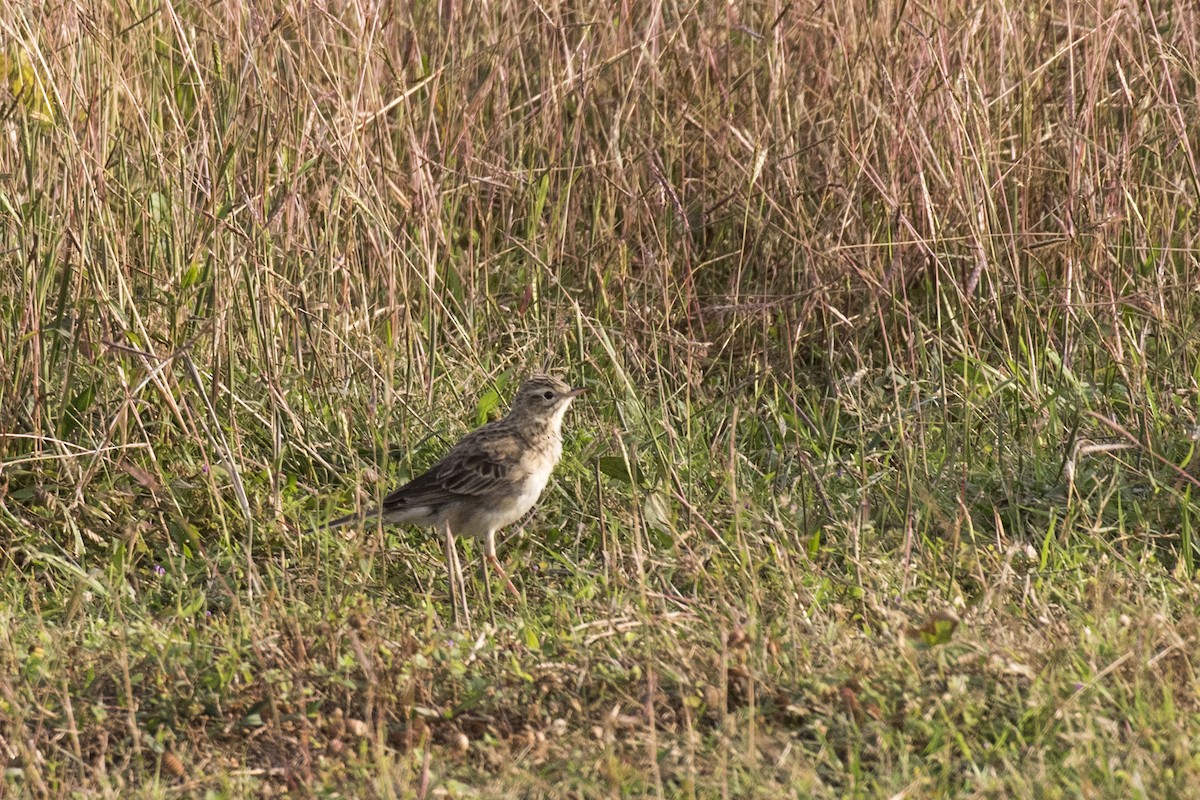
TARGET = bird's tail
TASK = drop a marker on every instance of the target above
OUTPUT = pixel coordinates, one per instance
(350, 519)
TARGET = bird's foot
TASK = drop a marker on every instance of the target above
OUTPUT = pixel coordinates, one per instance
(508, 584)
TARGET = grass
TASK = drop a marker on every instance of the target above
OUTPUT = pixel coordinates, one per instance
(886, 486)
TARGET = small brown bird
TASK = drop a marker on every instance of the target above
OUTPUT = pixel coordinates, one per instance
(489, 479)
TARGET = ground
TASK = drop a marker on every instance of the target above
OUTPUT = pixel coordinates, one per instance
(883, 487)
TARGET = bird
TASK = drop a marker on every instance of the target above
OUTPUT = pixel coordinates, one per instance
(490, 478)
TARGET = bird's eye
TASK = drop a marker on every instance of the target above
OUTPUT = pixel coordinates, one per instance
(549, 395)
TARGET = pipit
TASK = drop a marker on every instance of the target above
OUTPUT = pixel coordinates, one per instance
(489, 479)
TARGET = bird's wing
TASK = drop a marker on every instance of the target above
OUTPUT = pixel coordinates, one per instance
(485, 462)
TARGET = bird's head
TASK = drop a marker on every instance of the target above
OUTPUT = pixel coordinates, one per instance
(545, 397)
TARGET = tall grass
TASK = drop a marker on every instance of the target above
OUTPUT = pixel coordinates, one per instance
(886, 485)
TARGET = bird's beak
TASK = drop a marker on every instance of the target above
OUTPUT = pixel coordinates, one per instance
(578, 390)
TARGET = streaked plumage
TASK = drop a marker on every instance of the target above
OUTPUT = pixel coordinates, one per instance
(492, 477)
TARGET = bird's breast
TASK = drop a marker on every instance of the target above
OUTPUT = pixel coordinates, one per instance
(530, 491)
(525, 493)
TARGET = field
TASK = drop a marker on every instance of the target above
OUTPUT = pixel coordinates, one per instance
(884, 486)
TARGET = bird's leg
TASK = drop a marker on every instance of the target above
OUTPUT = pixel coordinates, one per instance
(449, 544)
(462, 590)
(454, 569)
(489, 555)
(487, 591)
